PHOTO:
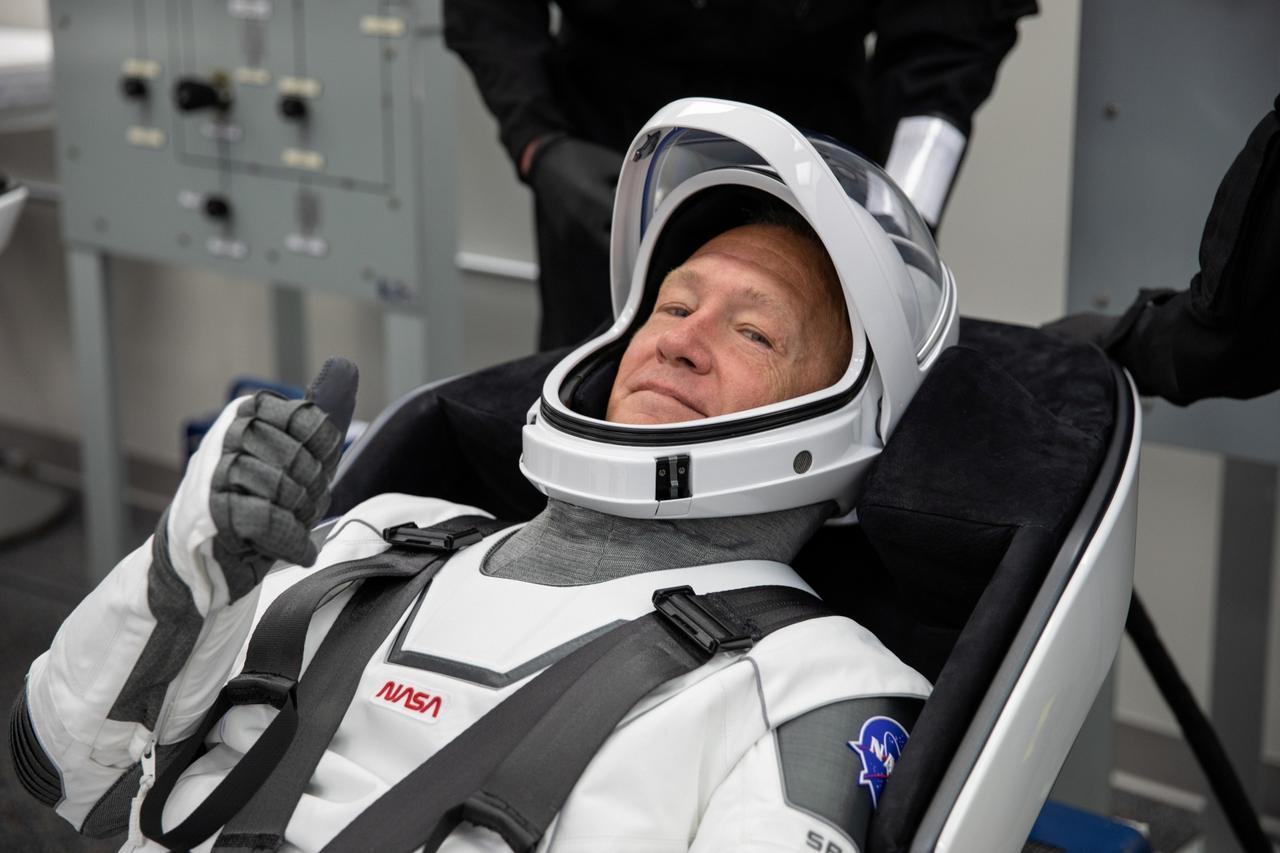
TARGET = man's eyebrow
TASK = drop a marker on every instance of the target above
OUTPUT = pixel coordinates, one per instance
(760, 297)
(751, 293)
(684, 274)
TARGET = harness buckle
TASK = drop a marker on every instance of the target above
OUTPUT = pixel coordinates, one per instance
(416, 538)
(680, 607)
(261, 688)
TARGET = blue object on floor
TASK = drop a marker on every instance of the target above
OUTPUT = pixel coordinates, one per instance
(1072, 830)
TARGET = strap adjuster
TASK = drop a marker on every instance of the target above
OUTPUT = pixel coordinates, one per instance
(680, 607)
(261, 688)
(416, 538)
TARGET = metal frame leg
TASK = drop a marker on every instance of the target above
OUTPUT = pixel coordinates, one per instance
(289, 316)
(440, 317)
(405, 337)
(101, 459)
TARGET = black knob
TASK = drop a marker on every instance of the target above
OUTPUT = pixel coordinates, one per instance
(192, 94)
(217, 207)
(134, 88)
(294, 108)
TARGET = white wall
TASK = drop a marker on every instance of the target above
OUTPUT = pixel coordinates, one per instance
(24, 13)
(1178, 494)
(1005, 230)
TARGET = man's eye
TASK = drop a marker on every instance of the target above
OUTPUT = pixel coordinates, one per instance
(757, 338)
(676, 310)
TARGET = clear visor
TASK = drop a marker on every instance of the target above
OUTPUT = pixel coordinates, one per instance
(683, 153)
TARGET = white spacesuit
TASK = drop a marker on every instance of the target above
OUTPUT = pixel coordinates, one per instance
(781, 745)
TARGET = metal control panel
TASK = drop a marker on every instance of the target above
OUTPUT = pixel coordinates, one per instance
(275, 139)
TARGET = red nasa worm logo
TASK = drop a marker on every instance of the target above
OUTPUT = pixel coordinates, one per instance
(411, 700)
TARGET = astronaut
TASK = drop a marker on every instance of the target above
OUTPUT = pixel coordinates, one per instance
(733, 406)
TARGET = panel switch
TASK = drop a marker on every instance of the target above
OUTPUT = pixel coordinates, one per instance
(294, 108)
(191, 94)
(217, 207)
(135, 88)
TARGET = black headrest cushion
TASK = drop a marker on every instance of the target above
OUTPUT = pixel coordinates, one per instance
(1006, 432)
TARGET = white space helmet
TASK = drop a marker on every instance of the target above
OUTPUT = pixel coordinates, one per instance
(692, 174)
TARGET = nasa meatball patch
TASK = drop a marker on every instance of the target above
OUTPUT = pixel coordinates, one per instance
(824, 773)
(879, 745)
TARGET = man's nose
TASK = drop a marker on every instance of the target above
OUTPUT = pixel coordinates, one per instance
(687, 343)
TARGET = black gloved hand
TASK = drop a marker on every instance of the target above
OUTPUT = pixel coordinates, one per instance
(1216, 338)
(575, 182)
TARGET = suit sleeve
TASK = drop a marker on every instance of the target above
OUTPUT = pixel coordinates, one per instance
(934, 63)
(940, 57)
(507, 45)
(812, 783)
(135, 665)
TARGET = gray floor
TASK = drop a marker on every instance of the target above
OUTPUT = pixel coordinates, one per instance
(1171, 828)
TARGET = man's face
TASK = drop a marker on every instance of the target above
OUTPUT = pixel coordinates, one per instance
(753, 317)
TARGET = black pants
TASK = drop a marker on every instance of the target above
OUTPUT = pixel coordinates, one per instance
(573, 283)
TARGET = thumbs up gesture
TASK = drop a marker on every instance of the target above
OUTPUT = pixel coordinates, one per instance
(258, 483)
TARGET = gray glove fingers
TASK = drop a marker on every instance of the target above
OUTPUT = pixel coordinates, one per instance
(304, 421)
(277, 448)
(321, 507)
(334, 391)
(255, 438)
(268, 529)
(248, 475)
(318, 435)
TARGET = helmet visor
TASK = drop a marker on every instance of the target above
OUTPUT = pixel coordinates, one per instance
(684, 153)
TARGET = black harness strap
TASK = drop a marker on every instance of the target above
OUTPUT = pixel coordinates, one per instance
(513, 769)
(273, 664)
(330, 678)
(359, 629)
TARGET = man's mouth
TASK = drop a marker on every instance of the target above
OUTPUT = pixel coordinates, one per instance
(671, 392)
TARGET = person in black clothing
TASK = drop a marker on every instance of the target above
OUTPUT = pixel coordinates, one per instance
(569, 102)
(1218, 337)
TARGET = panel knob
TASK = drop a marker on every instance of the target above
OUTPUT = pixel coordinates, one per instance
(217, 207)
(294, 108)
(134, 88)
(192, 94)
